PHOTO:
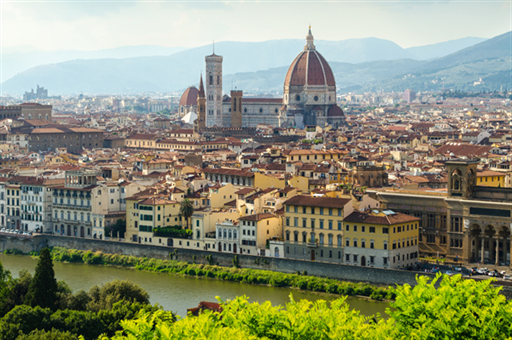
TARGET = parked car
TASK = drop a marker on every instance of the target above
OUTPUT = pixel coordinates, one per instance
(507, 277)
(458, 269)
(449, 273)
(3, 230)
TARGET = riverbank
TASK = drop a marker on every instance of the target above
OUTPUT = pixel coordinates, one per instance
(301, 281)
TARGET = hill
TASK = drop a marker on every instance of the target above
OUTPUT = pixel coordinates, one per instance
(442, 49)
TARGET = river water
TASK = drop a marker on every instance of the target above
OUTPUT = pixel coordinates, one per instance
(177, 293)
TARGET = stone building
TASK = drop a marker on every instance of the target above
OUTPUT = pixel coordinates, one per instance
(467, 224)
(369, 176)
(11, 112)
(75, 139)
(309, 96)
(36, 111)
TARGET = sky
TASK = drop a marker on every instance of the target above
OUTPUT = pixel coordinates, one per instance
(93, 25)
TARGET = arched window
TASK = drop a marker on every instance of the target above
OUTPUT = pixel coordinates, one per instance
(229, 233)
(321, 239)
(225, 233)
(234, 233)
(75, 216)
(211, 79)
(220, 233)
(329, 239)
(355, 242)
(385, 245)
(339, 240)
(304, 237)
(347, 242)
(372, 244)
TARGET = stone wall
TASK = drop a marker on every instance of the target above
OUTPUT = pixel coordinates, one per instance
(336, 271)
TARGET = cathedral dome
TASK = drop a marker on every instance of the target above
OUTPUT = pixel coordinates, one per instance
(189, 97)
(309, 68)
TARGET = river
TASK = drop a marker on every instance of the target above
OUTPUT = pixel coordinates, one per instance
(177, 293)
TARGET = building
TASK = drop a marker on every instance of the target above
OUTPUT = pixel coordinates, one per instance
(36, 205)
(188, 102)
(10, 112)
(313, 227)
(41, 93)
(213, 90)
(228, 236)
(467, 224)
(80, 205)
(36, 111)
(382, 239)
(409, 95)
(256, 231)
(309, 97)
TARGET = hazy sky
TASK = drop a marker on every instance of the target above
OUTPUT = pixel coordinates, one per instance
(92, 25)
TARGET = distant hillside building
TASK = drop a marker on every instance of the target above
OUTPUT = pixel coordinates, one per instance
(409, 95)
(41, 93)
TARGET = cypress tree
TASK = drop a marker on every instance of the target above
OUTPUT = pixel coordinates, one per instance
(43, 288)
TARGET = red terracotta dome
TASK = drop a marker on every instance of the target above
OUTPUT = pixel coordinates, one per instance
(189, 97)
(335, 111)
(309, 68)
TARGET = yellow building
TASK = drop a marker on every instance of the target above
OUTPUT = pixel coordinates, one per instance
(489, 178)
(313, 227)
(269, 181)
(148, 210)
(221, 194)
(256, 230)
(383, 239)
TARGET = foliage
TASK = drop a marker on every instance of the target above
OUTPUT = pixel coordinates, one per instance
(14, 291)
(13, 252)
(43, 287)
(186, 209)
(175, 232)
(457, 309)
(116, 230)
(53, 334)
(104, 297)
(235, 274)
(25, 320)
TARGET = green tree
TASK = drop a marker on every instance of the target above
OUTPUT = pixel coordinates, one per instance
(43, 287)
(54, 334)
(14, 293)
(117, 230)
(104, 297)
(186, 209)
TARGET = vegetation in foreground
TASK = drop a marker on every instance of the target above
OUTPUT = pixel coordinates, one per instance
(457, 309)
(39, 307)
(234, 274)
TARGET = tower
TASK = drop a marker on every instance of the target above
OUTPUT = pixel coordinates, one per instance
(199, 123)
(213, 90)
(461, 177)
(236, 109)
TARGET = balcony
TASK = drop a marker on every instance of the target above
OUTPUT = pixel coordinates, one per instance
(312, 244)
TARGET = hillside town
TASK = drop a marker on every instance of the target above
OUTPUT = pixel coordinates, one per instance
(375, 179)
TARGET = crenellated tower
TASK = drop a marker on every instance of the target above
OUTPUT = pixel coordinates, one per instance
(236, 109)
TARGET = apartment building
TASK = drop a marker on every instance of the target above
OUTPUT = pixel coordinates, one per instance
(256, 231)
(381, 238)
(313, 227)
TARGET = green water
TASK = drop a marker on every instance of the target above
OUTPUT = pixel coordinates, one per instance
(177, 293)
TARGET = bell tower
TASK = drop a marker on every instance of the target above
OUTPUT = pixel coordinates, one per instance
(236, 109)
(213, 90)
(199, 123)
(461, 177)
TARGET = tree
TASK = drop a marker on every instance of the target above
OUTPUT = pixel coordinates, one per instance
(104, 297)
(14, 293)
(117, 230)
(186, 209)
(43, 288)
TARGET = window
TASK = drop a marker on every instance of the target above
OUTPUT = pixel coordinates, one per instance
(304, 222)
(304, 210)
(355, 228)
(339, 212)
(347, 227)
(330, 224)
(363, 229)
(339, 238)
(295, 222)
(372, 244)
(385, 230)
(312, 223)
(330, 211)
(347, 257)
(329, 239)
(363, 244)
(295, 209)
(287, 222)
(304, 235)
(355, 258)
(321, 239)
(385, 245)
(321, 224)
(347, 242)
(372, 230)
(355, 242)
(287, 208)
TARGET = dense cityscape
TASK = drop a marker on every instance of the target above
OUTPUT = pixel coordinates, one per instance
(363, 198)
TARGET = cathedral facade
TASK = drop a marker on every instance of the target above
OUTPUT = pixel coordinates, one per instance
(309, 96)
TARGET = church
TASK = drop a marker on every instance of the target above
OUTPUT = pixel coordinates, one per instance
(309, 97)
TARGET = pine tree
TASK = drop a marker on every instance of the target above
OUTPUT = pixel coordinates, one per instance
(43, 288)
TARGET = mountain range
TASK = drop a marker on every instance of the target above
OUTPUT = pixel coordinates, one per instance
(363, 64)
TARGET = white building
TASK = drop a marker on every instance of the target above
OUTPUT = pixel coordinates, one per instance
(228, 236)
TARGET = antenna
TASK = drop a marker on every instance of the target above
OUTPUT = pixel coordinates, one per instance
(213, 46)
